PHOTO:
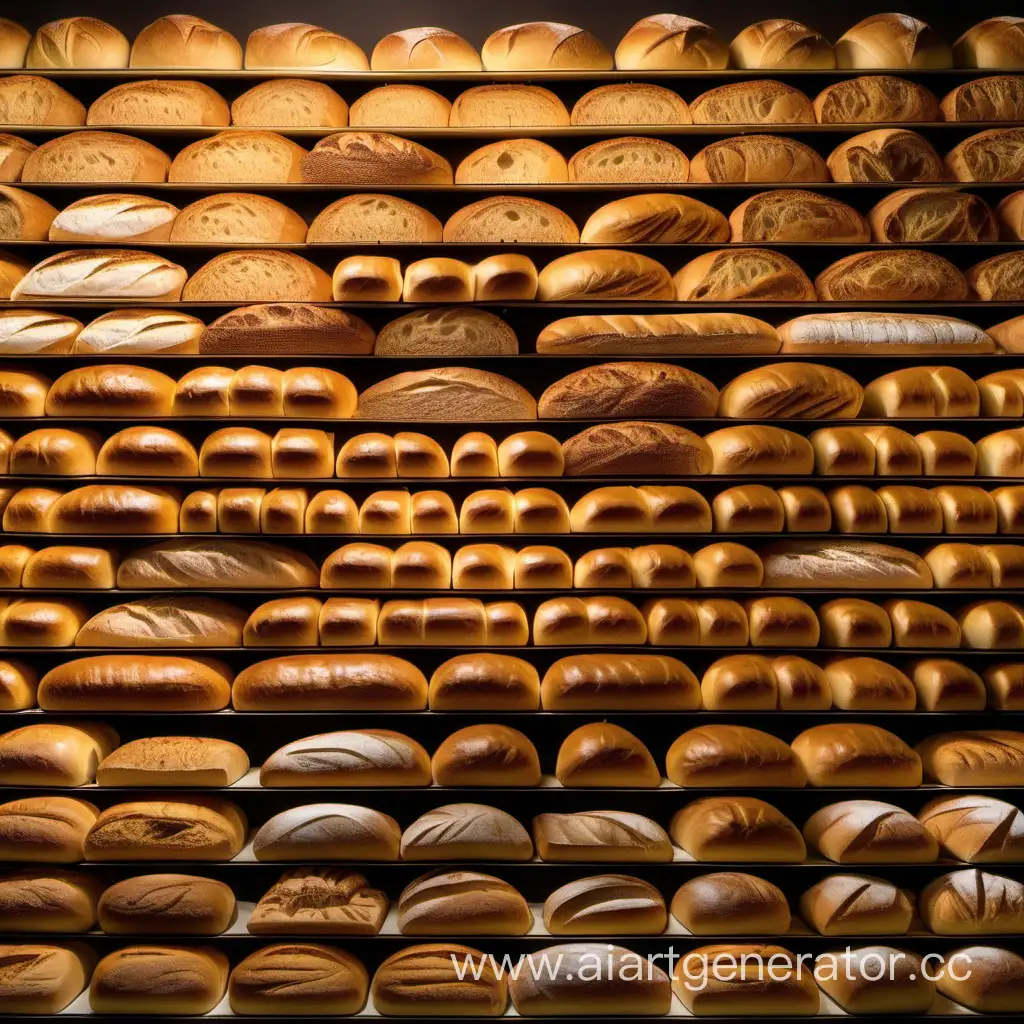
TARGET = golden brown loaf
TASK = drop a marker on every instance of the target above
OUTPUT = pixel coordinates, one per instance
(174, 761)
(886, 154)
(14, 151)
(996, 98)
(54, 755)
(606, 904)
(242, 157)
(849, 904)
(513, 162)
(505, 219)
(603, 754)
(462, 903)
(486, 755)
(903, 275)
(184, 41)
(671, 42)
(994, 985)
(618, 681)
(993, 155)
(869, 831)
(992, 43)
(793, 215)
(319, 901)
(167, 103)
(629, 159)
(180, 620)
(978, 829)
(659, 218)
(327, 832)
(856, 754)
(251, 275)
(544, 46)
(748, 449)
(448, 331)
(484, 682)
(932, 215)
(737, 828)
(34, 100)
(1000, 278)
(859, 564)
(24, 217)
(732, 756)
(297, 45)
(906, 988)
(759, 102)
(405, 106)
(374, 158)
(630, 103)
(758, 158)
(974, 758)
(875, 99)
(424, 49)
(289, 103)
(604, 274)
(169, 903)
(510, 105)
(731, 903)
(48, 900)
(14, 40)
(420, 978)
(892, 41)
(791, 391)
(636, 448)
(45, 829)
(466, 832)
(44, 978)
(96, 157)
(601, 837)
(286, 328)
(440, 394)
(374, 218)
(972, 902)
(232, 217)
(781, 43)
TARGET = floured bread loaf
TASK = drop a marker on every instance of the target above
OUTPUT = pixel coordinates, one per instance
(886, 154)
(882, 333)
(759, 102)
(659, 218)
(78, 42)
(466, 832)
(103, 273)
(758, 158)
(327, 832)
(932, 215)
(424, 49)
(141, 331)
(875, 99)
(793, 215)
(853, 564)
(993, 155)
(175, 621)
(114, 218)
(24, 331)
(903, 275)
(996, 98)
(743, 275)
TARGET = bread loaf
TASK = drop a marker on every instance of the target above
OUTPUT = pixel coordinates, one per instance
(996, 98)
(886, 154)
(902, 275)
(486, 755)
(103, 273)
(297, 45)
(731, 903)
(793, 215)
(972, 902)
(906, 988)
(250, 275)
(781, 43)
(289, 103)
(14, 40)
(34, 100)
(319, 901)
(611, 682)
(759, 102)
(631, 160)
(992, 43)
(424, 49)
(462, 903)
(974, 758)
(869, 831)
(513, 162)
(791, 391)
(932, 215)
(111, 508)
(976, 829)
(286, 328)
(42, 978)
(162, 103)
(174, 761)
(422, 981)
(508, 105)
(506, 219)
(405, 106)
(755, 449)
(654, 219)
(671, 42)
(999, 278)
(466, 832)
(923, 392)
(630, 103)
(45, 829)
(875, 99)
(636, 448)
(858, 564)
(140, 331)
(994, 984)
(758, 158)
(120, 218)
(48, 900)
(374, 218)
(544, 46)
(184, 41)
(373, 158)
(14, 151)
(425, 395)
(327, 832)
(850, 904)
(605, 904)
(159, 979)
(54, 755)
(232, 217)
(733, 756)
(96, 157)
(993, 155)
(242, 157)
(17, 686)
(23, 216)
(858, 754)
(737, 828)
(601, 837)
(602, 754)
(892, 41)
(12, 270)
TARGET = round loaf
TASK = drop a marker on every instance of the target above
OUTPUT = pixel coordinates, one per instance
(153, 979)
(462, 903)
(731, 903)
(113, 508)
(242, 157)
(34, 100)
(732, 756)
(445, 393)
(856, 755)
(875, 99)
(251, 275)
(327, 832)
(636, 448)
(605, 905)
(289, 103)
(892, 41)
(758, 158)
(510, 105)
(298, 45)
(374, 218)
(671, 42)
(972, 902)
(184, 41)
(424, 49)
(993, 155)
(229, 218)
(505, 219)
(629, 160)
(850, 904)
(791, 391)
(630, 103)
(166, 103)
(995, 982)
(373, 158)
(781, 43)
(603, 754)
(167, 903)
(48, 900)
(14, 40)
(513, 162)
(793, 215)
(457, 832)
(992, 43)
(486, 755)
(995, 98)
(932, 215)
(604, 274)
(406, 106)
(743, 275)
(906, 988)
(886, 154)
(976, 829)
(759, 102)
(544, 46)
(286, 329)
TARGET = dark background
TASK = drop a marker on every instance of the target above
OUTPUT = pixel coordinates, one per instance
(367, 21)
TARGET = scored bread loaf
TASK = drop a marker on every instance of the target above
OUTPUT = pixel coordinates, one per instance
(289, 103)
(243, 157)
(932, 215)
(509, 105)
(631, 103)
(14, 42)
(631, 160)
(178, 621)
(604, 274)
(974, 758)
(466, 832)
(544, 46)
(425, 980)
(758, 102)
(373, 158)
(993, 155)
(992, 43)
(791, 391)
(1000, 278)
(327, 832)
(857, 754)
(24, 331)
(977, 829)
(662, 218)
(319, 901)
(849, 904)
(793, 215)
(184, 41)
(513, 162)
(886, 154)
(44, 979)
(169, 903)
(233, 217)
(48, 900)
(254, 275)
(737, 828)
(867, 831)
(997, 98)
(671, 42)
(892, 41)
(149, 979)
(600, 837)
(103, 273)
(895, 333)
(636, 448)
(96, 157)
(445, 393)
(904, 275)
(34, 100)
(117, 217)
(858, 564)
(781, 43)
(406, 106)
(606, 904)
(298, 45)
(424, 49)
(166, 103)
(510, 219)
(758, 158)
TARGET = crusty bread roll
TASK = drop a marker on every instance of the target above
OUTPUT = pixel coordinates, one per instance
(976, 829)
(781, 43)
(424, 49)
(159, 979)
(513, 162)
(484, 682)
(993, 155)
(731, 903)
(289, 103)
(671, 42)
(27, 331)
(858, 564)
(423, 980)
(114, 218)
(630, 103)
(932, 215)
(791, 391)
(184, 41)
(544, 46)
(737, 828)
(996, 98)
(601, 837)
(659, 218)
(992, 43)
(892, 41)
(166, 103)
(427, 395)
(367, 279)
(758, 158)
(233, 217)
(901, 275)
(604, 274)
(327, 832)
(875, 99)
(298, 45)
(763, 101)
(400, 106)
(243, 157)
(34, 100)
(793, 215)
(103, 273)
(24, 217)
(96, 157)
(285, 328)
(636, 448)
(319, 901)
(886, 154)
(869, 831)
(14, 151)
(849, 904)
(14, 40)
(511, 105)
(466, 832)
(45, 978)
(628, 159)
(504, 219)
(251, 275)
(374, 158)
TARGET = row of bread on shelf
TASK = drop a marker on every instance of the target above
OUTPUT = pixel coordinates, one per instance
(659, 42)
(478, 681)
(745, 829)
(236, 218)
(292, 329)
(775, 622)
(447, 979)
(301, 104)
(317, 902)
(595, 755)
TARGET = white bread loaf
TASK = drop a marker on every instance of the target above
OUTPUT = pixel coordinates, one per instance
(671, 42)
(781, 43)
(875, 99)
(32, 99)
(24, 331)
(289, 103)
(544, 46)
(424, 49)
(253, 275)
(243, 157)
(508, 106)
(400, 106)
(14, 40)
(759, 102)
(298, 45)
(114, 218)
(629, 159)
(435, 279)
(503, 278)
(882, 333)
(184, 41)
(892, 41)
(77, 43)
(103, 273)
(757, 158)
(630, 103)
(232, 217)
(513, 162)
(167, 103)
(24, 217)
(96, 157)
(141, 331)
(505, 219)
(14, 152)
(373, 158)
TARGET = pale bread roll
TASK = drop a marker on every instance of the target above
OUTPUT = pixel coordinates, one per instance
(993, 155)
(14, 40)
(743, 275)
(289, 103)
(368, 279)
(781, 43)
(892, 41)
(886, 154)
(503, 278)
(513, 162)
(298, 45)
(373, 158)
(96, 157)
(234, 217)
(629, 159)
(760, 102)
(630, 103)
(447, 393)
(32, 99)
(167, 103)
(992, 43)
(544, 46)
(24, 217)
(253, 275)
(400, 106)
(14, 151)
(141, 331)
(437, 279)
(904, 275)
(184, 41)
(932, 215)
(506, 219)
(103, 273)
(245, 157)
(883, 333)
(875, 99)
(671, 42)
(24, 331)
(369, 217)
(996, 98)
(658, 218)
(604, 274)
(508, 105)
(424, 49)
(77, 43)
(658, 334)
(793, 215)
(114, 218)
(758, 158)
